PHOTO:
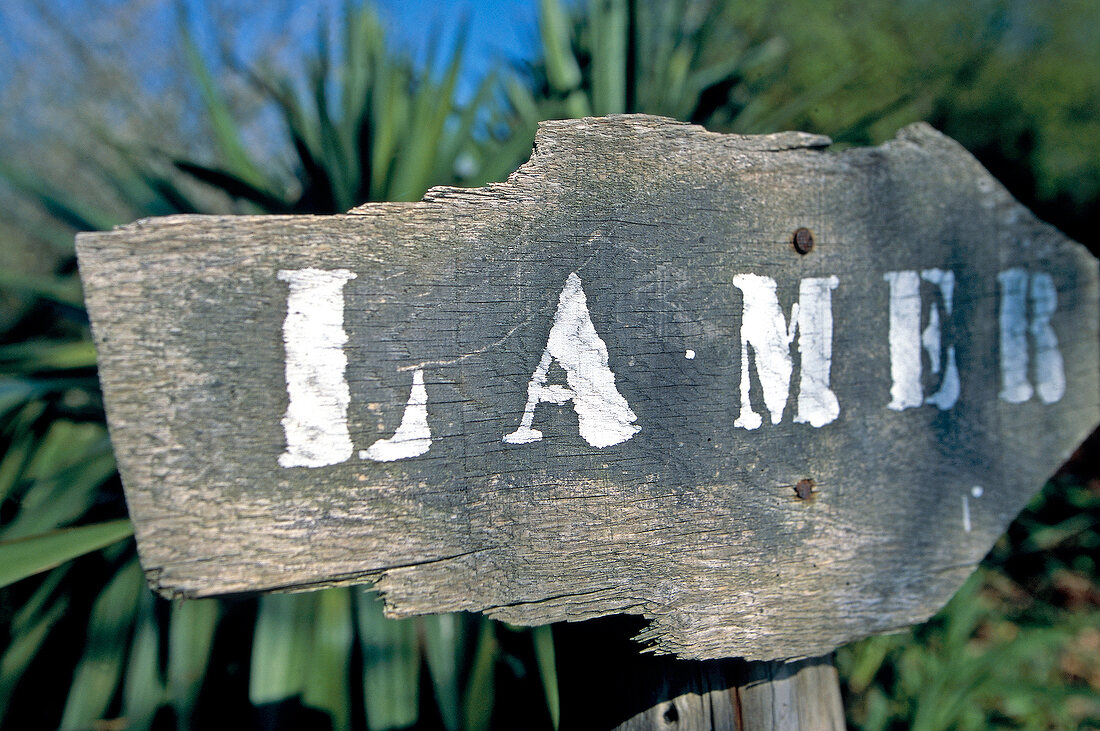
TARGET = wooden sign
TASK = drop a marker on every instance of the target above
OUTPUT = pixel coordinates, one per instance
(770, 397)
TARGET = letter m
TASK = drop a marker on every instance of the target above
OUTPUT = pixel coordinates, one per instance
(765, 331)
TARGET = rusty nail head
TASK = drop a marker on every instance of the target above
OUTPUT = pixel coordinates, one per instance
(803, 241)
(804, 489)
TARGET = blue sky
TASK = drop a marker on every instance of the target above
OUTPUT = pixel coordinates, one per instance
(497, 29)
(44, 73)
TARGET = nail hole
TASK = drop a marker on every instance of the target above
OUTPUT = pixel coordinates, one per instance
(804, 489)
(803, 241)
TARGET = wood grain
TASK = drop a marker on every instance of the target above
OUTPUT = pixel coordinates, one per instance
(606, 684)
(803, 695)
(691, 522)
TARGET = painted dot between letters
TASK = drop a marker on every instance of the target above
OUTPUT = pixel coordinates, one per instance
(689, 354)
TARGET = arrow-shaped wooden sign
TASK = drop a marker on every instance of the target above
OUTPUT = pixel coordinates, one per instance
(772, 398)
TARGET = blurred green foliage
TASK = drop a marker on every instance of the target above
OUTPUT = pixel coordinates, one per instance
(1018, 646)
(87, 642)
(368, 124)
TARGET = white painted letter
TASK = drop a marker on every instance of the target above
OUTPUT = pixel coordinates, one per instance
(603, 416)
(948, 393)
(1050, 373)
(1015, 386)
(817, 404)
(316, 421)
(765, 330)
(413, 437)
(907, 341)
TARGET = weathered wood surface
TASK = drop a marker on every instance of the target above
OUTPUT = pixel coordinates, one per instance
(605, 684)
(257, 369)
(802, 695)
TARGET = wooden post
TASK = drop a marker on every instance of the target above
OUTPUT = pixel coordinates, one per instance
(804, 694)
(606, 684)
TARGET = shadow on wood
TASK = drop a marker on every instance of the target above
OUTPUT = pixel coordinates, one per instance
(607, 684)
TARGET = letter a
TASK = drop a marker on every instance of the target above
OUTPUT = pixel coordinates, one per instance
(603, 416)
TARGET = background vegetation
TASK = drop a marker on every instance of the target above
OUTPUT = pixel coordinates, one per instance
(323, 125)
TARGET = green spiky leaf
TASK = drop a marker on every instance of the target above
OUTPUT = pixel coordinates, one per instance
(25, 557)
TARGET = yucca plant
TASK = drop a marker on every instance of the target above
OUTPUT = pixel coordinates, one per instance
(687, 60)
(369, 125)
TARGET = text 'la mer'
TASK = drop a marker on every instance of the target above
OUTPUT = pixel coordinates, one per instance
(1031, 365)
